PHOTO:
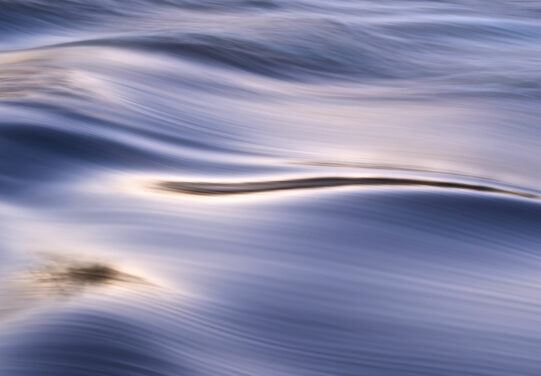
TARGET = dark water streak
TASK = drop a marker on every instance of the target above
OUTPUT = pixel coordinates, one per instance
(206, 188)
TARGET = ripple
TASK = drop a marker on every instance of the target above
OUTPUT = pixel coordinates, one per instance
(88, 343)
(233, 188)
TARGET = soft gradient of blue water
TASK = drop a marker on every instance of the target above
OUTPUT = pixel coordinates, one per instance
(101, 101)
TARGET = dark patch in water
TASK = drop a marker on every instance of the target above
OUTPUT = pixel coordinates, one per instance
(204, 188)
(57, 277)
(92, 274)
(60, 277)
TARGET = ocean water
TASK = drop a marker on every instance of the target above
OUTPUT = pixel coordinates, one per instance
(270, 188)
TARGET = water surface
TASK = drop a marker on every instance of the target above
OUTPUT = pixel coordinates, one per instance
(268, 187)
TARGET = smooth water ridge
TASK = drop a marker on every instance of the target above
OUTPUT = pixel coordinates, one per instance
(270, 188)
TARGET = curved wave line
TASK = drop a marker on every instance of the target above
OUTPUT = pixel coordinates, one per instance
(235, 188)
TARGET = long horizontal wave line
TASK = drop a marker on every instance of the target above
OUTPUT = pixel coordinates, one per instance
(233, 188)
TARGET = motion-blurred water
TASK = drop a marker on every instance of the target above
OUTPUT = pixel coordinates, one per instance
(270, 188)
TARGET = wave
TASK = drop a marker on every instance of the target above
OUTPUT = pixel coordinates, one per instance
(299, 44)
(209, 188)
(88, 343)
(428, 264)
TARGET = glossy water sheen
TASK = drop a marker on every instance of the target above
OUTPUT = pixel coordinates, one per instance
(155, 160)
